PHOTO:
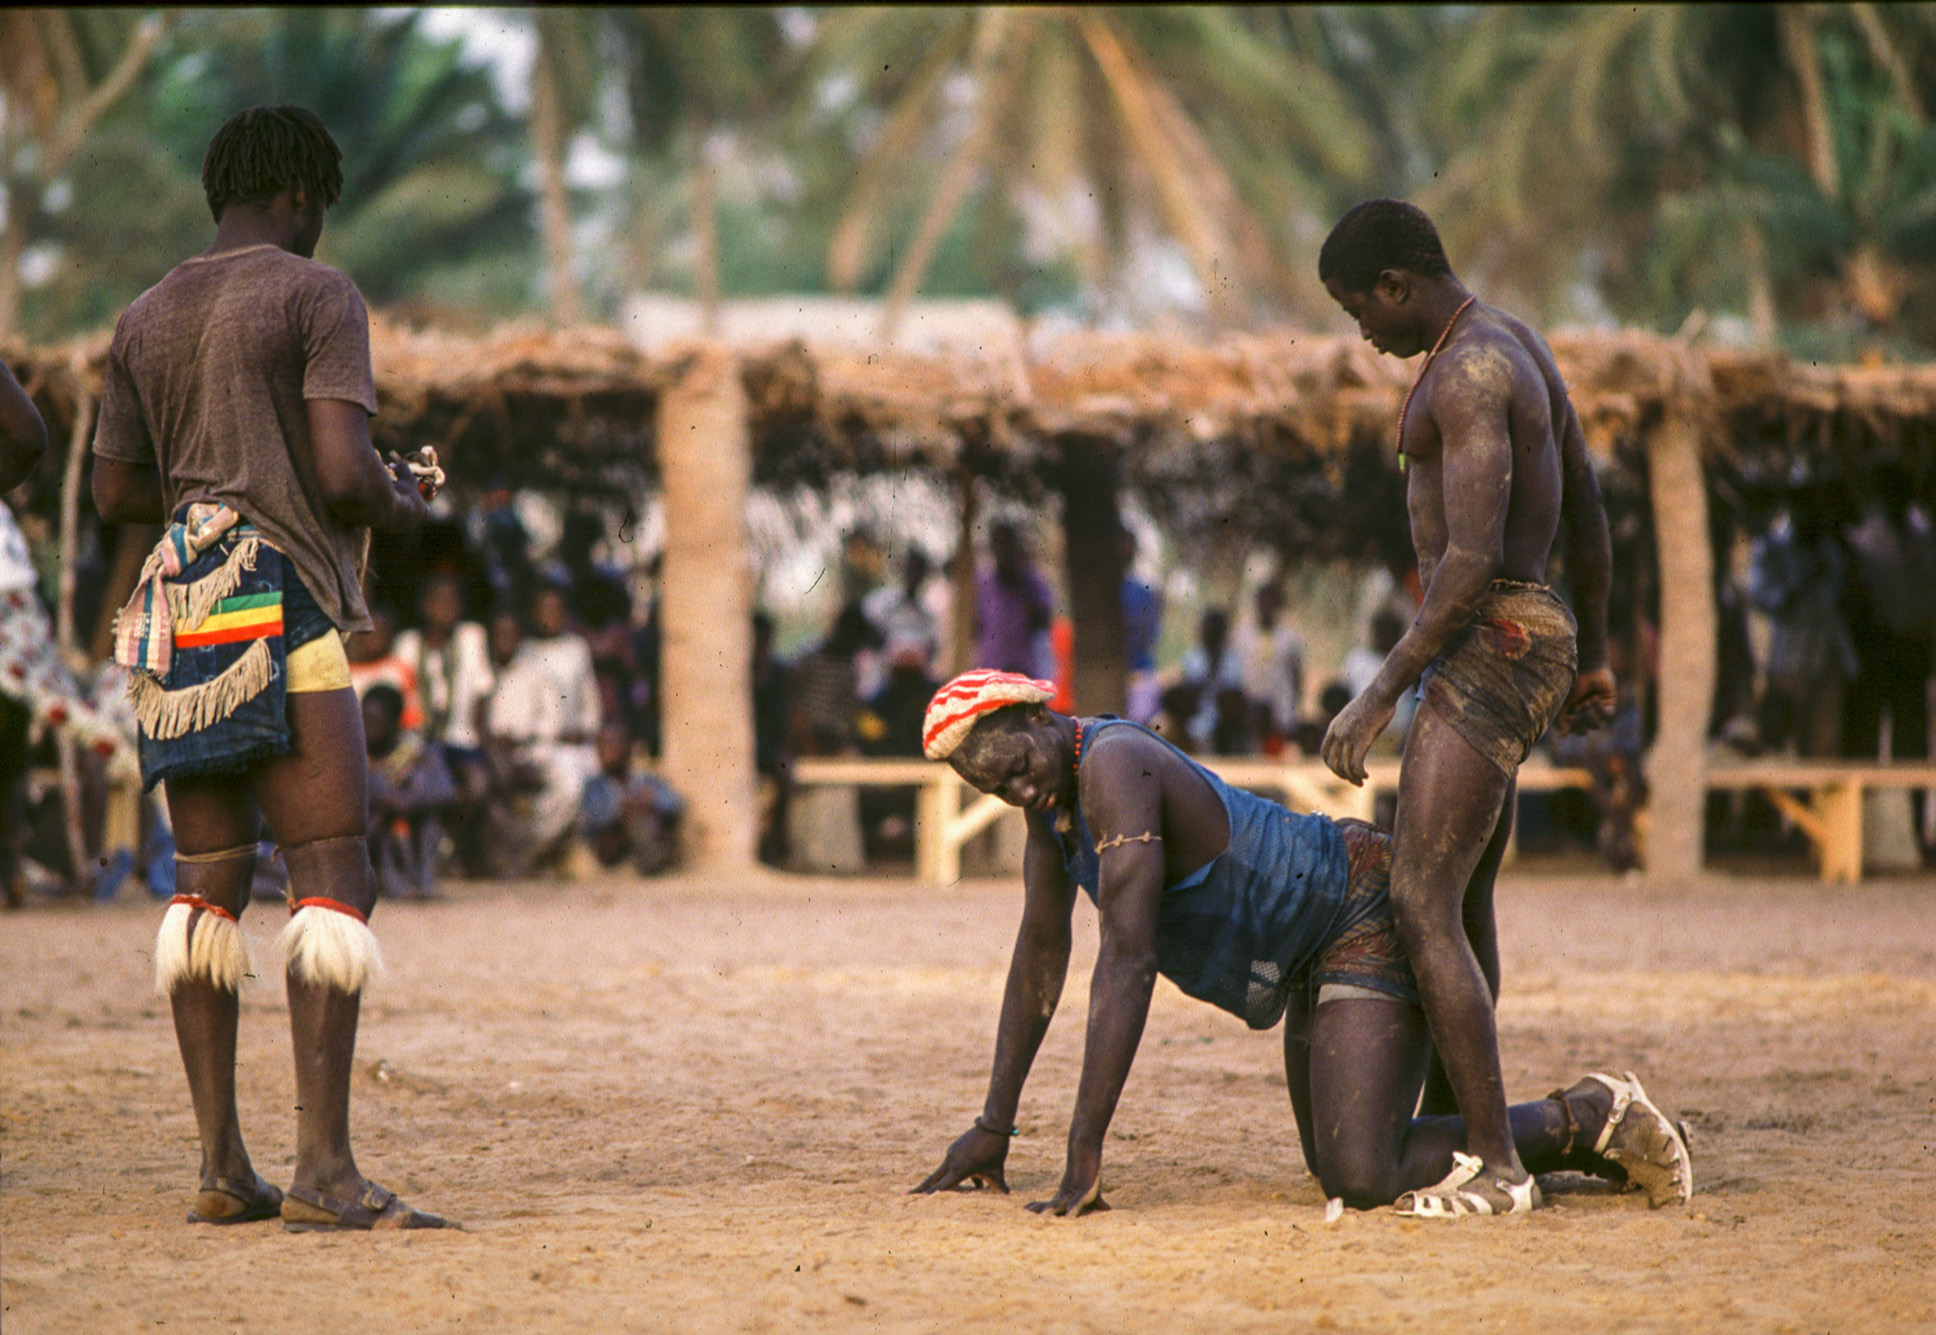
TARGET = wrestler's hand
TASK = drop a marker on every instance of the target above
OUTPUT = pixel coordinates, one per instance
(1348, 740)
(410, 499)
(1081, 1189)
(1589, 704)
(978, 1157)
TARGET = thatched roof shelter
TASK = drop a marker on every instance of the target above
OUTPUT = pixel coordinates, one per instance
(1286, 435)
(548, 405)
(1284, 439)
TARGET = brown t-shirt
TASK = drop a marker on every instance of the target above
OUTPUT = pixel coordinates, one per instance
(206, 382)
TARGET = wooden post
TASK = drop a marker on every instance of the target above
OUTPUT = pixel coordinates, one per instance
(1684, 555)
(961, 578)
(1093, 560)
(70, 547)
(705, 459)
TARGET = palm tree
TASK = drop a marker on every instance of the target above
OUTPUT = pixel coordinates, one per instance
(564, 87)
(61, 71)
(1776, 157)
(700, 80)
(1096, 121)
(431, 214)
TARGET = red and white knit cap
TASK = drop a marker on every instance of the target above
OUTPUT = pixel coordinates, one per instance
(952, 713)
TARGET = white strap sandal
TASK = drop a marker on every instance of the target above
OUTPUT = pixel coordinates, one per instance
(1645, 1142)
(1453, 1197)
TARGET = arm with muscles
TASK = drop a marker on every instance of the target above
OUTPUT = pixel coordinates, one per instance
(1588, 551)
(126, 481)
(23, 436)
(1035, 977)
(1475, 485)
(359, 488)
(1126, 801)
(126, 493)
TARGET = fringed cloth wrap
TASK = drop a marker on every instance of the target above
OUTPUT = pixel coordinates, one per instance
(202, 639)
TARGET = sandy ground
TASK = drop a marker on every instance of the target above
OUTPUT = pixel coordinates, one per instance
(683, 1105)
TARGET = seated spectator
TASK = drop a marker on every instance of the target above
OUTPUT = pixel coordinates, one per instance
(1309, 735)
(539, 725)
(642, 715)
(1361, 665)
(451, 662)
(1221, 724)
(900, 615)
(890, 726)
(826, 832)
(1613, 756)
(1013, 607)
(1272, 652)
(1797, 576)
(604, 618)
(1176, 706)
(826, 686)
(1142, 627)
(410, 788)
(374, 658)
(630, 814)
(771, 712)
(39, 699)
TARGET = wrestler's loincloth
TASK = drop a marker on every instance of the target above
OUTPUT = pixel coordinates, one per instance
(1502, 679)
(211, 640)
(1367, 954)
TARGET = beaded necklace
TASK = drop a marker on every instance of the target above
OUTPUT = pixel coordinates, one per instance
(1077, 765)
(1405, 411)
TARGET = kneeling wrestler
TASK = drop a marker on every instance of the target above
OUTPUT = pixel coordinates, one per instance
(1260, 911)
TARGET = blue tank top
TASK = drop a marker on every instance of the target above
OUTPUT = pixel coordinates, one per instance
(1241, 930)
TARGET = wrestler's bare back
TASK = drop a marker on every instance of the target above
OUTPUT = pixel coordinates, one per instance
(1493, 373)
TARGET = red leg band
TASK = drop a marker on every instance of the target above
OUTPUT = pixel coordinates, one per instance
(334, 905)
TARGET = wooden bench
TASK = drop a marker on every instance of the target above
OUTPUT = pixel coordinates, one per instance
(948, 813)
(1824, 799)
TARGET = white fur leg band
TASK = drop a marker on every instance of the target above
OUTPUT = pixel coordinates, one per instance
(200, 942)
(330, 944)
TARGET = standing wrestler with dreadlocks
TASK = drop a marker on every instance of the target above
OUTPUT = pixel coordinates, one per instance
(236, 410)
(1496, 471)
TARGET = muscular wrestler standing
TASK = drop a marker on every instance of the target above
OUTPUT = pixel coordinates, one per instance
(236, 410)
(1496, 471)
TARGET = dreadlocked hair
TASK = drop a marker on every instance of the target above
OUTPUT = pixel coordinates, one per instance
(263, 151)
(1377, 235)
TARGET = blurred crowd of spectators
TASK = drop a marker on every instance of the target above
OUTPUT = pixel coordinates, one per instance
(512, 706)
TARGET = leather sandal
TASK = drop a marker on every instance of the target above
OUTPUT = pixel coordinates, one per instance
(259, 1200)
(306, 1210)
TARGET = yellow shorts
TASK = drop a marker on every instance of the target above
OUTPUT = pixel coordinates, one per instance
(320, 665)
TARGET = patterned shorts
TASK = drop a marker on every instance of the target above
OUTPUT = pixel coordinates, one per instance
(1503, 678)
(1368, 953)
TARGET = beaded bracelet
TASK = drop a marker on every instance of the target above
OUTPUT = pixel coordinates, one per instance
(995, 1131)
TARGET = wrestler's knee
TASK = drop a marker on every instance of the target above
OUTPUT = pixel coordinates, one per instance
(332, 890)
(1426, 916)
(1362, 1179)
(200, 940)
(336, 869)
(221, 879)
